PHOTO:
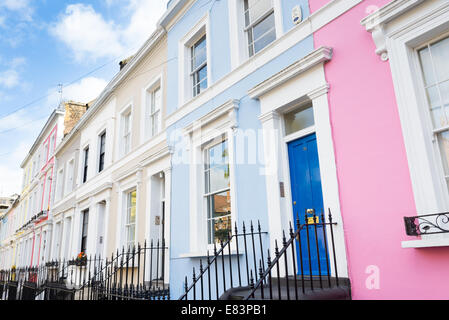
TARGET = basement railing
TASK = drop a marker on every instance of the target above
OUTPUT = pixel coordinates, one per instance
(302, 245)
(221, 271)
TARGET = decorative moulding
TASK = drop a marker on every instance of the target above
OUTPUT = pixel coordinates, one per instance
(229, 107)
(375, 23)
(320, 55)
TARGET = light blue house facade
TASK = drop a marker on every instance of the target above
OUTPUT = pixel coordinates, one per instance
(227, 63)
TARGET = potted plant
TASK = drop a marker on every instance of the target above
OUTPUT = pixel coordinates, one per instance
(81, 259)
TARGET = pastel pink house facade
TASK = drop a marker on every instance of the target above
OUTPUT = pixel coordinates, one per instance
(373, 167)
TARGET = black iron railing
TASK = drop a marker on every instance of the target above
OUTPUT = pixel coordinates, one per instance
(221, 271)
(427, 224)
(292, 263)
(138, 273)
(304, 266)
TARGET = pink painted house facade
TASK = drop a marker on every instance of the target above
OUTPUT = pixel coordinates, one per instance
(387, 98)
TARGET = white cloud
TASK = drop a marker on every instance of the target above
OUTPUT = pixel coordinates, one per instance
(22, 7)
(90, 36)
(25, 130)
(86, 33)
(9, 78)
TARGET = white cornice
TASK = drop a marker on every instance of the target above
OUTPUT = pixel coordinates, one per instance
(228, 107)
(105, 186)
(173, 13)
(269, 116)
(321, 55)
(156, 156)
(375, 23)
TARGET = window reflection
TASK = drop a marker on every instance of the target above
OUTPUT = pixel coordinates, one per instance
(217, 193)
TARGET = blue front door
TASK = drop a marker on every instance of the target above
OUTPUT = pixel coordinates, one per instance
(307, 194)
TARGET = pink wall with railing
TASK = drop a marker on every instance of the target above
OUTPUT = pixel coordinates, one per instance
(374, 180)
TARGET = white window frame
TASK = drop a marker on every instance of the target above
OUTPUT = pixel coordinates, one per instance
(185, 44)
(215, 125)
(205, 148)
(238, 37)
(125, 223)
(60, 184)
(147, 94)
(194, 72)
(398, 35)
(253, 24)
(70, 176)
(83, 163)
(102, 132)
(127, 111)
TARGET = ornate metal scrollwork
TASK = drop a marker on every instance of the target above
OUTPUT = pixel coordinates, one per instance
(427, 224)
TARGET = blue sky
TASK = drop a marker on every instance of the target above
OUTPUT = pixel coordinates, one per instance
(47, 42)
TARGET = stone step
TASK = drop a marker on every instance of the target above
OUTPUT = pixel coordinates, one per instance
(326, 292)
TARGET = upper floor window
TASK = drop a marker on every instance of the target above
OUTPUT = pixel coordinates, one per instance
(85, 163)
(126, 132)
(102, 151)
(70, 172)
(52, 144)
(259, 24)
(434, 59)
(46, 152)
(217, 192)
(60, 184)
(154, 108)
(199, 66)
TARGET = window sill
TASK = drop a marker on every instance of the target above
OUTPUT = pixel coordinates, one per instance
(427, 243)
(203, 254)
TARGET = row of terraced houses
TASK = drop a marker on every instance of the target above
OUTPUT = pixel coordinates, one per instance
(249, 149)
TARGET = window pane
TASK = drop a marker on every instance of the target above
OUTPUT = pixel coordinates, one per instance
(157, 100)
(264, 41)
(443, 140)
(221, 229)
(220, 205)
(444, 89)
(263, 27)
(440, 55)
(218, 155)
(218, 179)
(132, 197)
(202, 74)
(426, 61)
(298, 120)
(438, 117)
(255, 9)
(131, 235)
(199, 53)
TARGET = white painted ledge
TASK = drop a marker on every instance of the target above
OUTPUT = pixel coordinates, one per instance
(204, 254)
(426, 243)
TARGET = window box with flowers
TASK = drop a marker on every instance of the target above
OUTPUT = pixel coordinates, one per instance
(81, 260)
